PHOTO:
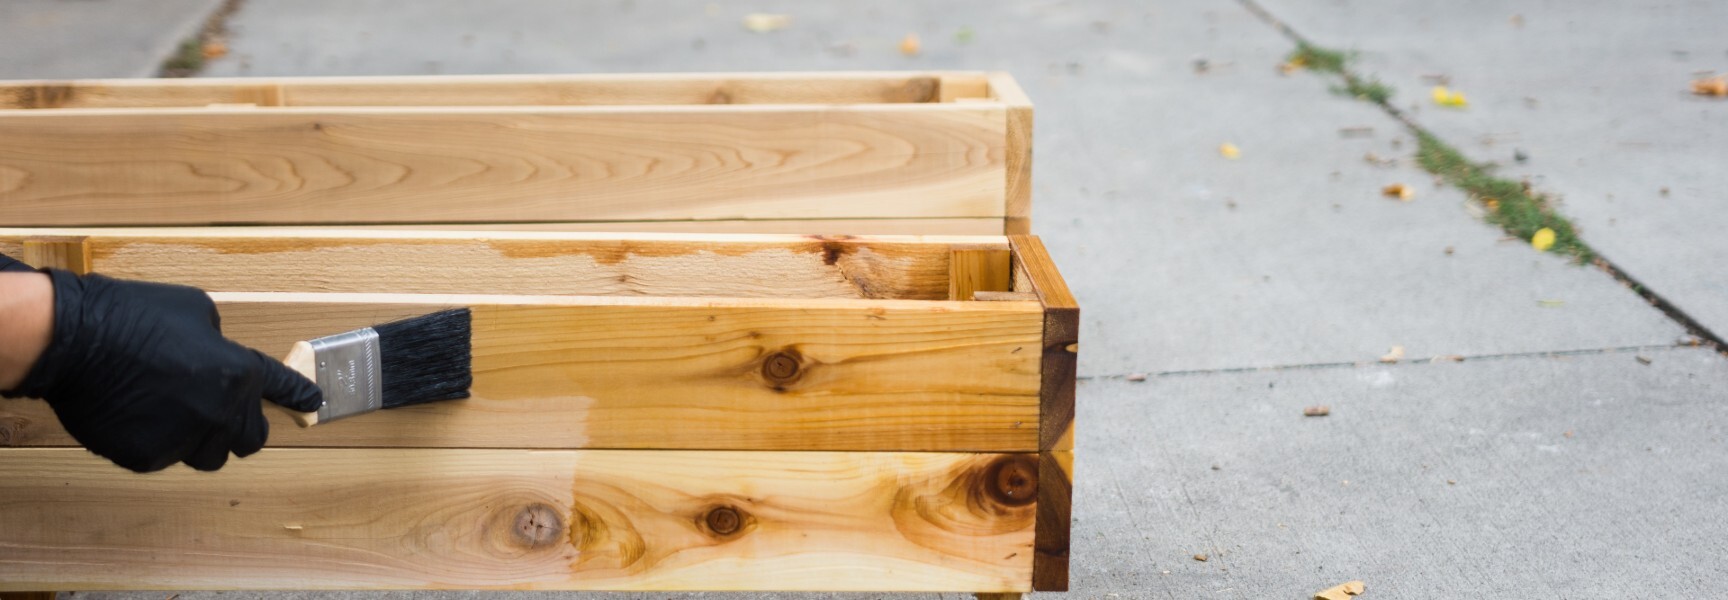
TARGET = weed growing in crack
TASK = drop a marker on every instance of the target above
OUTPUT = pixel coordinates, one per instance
(1510, 204)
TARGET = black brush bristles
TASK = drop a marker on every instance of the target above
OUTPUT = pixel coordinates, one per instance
(426, 359)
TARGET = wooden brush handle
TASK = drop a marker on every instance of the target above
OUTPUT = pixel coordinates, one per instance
(304, 361)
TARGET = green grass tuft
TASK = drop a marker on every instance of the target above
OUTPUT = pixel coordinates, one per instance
(1324, 60)
(187, 59)
(1510, 204)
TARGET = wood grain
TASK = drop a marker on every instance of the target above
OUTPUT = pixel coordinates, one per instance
(519, 519)
(936, 226)
(91, 167)
(486, 90)
(70, 253)
(1018, 140)
(1061, 339)
(263, 259)
(594, 372)
(973, 270)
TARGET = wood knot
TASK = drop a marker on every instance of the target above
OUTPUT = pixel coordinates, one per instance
(782, 368)
(1012, 480)
(537, 526)
(723, 520)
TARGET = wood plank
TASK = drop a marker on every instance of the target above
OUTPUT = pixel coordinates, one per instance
(1061, 340)
(973, 270)
(972, 86)
(70, 253)
(74, 167)
(935, 226)
(485, 90)
(519, 519)
(1055, 495)
(728, 374)
(264, 259)
(1018, 189)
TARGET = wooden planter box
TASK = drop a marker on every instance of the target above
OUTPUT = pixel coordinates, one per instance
(676, 409)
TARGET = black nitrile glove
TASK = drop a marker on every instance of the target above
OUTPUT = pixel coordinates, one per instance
(140, 374)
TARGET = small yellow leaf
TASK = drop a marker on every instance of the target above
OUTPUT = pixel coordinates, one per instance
(1445, 97)
(764, 22)
(909, 45)
(1229, 150)
(1543, 240)
(1491, 203)
(1399, 191)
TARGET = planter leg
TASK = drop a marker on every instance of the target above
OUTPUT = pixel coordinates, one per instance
(27, 595)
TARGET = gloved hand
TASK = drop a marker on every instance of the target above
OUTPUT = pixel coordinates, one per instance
(140, 374)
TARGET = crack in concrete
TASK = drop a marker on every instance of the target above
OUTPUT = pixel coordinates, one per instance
(1443, 358)
(1660, 303)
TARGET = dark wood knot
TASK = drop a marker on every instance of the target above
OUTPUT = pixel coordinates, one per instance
(724, 520)
(1012, 480)
(782, 367)
(537, 526)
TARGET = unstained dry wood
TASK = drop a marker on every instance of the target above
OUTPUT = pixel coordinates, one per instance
(518, 519)
(592, 372)
(258, 259)
(90, 167)
(495, 90)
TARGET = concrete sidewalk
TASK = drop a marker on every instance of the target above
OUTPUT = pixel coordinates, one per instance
(57, 39)
(1248, 288)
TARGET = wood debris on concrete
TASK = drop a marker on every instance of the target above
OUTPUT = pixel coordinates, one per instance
(1319, 410)
(1393, 356)
(1342, 591)
(1200, 557)
(1400, 191)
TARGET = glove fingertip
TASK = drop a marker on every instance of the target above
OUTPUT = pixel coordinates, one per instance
(287, 387)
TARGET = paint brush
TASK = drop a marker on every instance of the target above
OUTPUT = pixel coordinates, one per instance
(411, 361)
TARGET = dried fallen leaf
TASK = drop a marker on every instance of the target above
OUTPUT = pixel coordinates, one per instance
(1543, 240)
(1492, 204)
(1712, 86)
(1289, 67)
(1446, 97)
(1229, 150)
(765, 22)
(1399, 191)
(215, 50)
(1319, 410)
(909, 45)
(1136, 377)
(1342, 591)
(1393, 355)
(1200, 557)
(1550, 303)
(1643, 360)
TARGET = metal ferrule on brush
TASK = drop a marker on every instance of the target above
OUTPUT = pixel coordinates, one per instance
(348, 373)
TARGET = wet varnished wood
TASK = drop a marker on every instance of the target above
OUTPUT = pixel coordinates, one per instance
(519, 519)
